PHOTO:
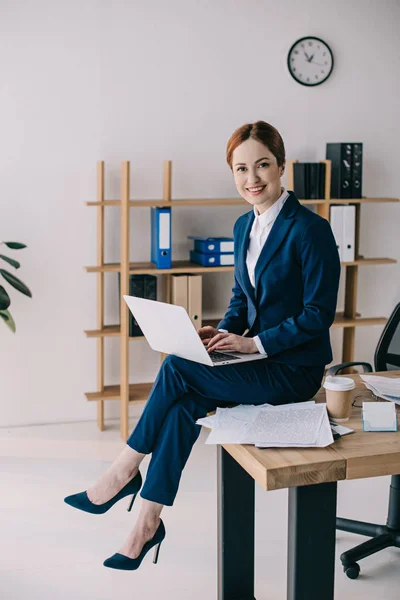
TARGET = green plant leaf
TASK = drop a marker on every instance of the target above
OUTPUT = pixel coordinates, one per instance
(4, 314)
(16, 283)
(14, 245)
(10, 261)
(4, 299)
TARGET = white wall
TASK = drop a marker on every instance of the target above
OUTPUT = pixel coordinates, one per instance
(145, 82)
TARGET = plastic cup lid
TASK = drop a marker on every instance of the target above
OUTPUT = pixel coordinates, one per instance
(338, 383)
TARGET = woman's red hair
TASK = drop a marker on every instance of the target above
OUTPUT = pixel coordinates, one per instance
(261, 131)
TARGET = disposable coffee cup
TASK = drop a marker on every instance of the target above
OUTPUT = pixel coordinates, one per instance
(339, 397)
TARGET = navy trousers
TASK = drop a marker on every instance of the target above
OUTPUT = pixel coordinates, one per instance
(184, 391)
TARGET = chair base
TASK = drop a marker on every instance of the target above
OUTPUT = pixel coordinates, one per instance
(383, 536)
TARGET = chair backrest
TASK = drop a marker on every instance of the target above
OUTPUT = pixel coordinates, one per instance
(387, 353)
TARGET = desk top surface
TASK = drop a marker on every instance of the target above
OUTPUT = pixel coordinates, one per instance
(353, 456)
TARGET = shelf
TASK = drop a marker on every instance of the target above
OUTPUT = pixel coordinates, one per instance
(340, 321)
(138, 392)
(360, 200)
(115, 331)
(230, 202)
(212, 322)
(107, 331)
(141, 268)
(126, 393)
(186, 266)
(370, 261)
(190, 202)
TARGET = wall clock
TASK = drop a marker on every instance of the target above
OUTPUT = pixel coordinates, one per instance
(310, 61)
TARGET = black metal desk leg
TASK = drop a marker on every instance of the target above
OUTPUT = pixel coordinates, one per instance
(311, 542)
(235, 530)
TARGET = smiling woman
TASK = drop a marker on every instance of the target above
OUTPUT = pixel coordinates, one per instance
(284, 300)
(256, 154)
(283, 254)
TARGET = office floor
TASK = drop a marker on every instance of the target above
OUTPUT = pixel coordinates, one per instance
(49, 550)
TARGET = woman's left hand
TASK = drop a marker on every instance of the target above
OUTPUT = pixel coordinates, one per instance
(234, 343)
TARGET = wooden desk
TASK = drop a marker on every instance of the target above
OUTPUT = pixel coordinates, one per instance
(311, 475)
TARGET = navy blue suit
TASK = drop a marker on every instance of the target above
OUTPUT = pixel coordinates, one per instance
(297, 276)
(291, 308)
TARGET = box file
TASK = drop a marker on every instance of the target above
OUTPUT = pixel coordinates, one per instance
(309, 180)
(349, 229)
(161, 237)
(141, 286)
(187, 292)
(340, 156)
(346, 175)
(300, 180)
(136, 288)
(343, 224)
(337, 228)
(212, 260)
(316, 181)
(356, 176)
(212, 245)
(179, 291)
(195, 299)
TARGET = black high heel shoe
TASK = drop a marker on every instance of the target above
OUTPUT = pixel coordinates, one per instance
(82, 502)
(124, 563)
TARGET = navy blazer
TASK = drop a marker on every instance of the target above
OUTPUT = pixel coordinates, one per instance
(297, 277)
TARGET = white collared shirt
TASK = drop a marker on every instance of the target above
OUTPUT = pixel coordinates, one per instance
(259, 233)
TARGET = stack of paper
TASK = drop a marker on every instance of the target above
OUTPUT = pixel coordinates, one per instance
(384, 387)
(379, 416)
(304, 424)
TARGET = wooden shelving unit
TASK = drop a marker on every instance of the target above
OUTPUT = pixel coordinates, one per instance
(127, 393)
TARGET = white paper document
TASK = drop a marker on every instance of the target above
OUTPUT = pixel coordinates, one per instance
(304, 424)
(240, 412)
(387, 388)
(379, 416)
(340, 429)
(310, 428)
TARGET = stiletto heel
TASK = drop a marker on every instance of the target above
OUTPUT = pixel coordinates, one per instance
(82, 502)
(122, 562)
(132, 501)
(156, 553)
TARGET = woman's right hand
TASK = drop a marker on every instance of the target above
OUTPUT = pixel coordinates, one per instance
(207, 333)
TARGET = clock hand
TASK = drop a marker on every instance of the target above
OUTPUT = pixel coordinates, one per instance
(315, 63)
(307, 57)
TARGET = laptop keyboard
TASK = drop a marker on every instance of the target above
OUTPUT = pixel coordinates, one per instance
(220, 356)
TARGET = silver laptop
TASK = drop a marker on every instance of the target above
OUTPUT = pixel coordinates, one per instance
(168, 329)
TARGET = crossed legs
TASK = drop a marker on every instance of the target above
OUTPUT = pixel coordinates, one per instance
(183, 392)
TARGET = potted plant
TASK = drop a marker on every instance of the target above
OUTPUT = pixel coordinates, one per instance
(12, 280)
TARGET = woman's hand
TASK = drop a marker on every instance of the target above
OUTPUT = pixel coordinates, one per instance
(207, 333)
(234, 343)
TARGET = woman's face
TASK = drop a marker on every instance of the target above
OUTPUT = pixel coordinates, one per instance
(256, 174)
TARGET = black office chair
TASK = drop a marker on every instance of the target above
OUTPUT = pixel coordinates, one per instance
(386, 358)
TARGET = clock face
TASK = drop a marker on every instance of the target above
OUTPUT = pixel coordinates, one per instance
(310, 61)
